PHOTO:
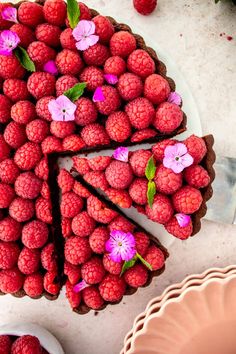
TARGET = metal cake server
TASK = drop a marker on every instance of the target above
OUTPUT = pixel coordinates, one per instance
(222, 206)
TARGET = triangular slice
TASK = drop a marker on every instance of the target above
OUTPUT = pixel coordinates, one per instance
(174, 196)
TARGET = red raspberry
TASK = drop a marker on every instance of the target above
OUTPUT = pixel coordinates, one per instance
(8, 171)
(55, 12)
(98, 239)
(92, 298)
(64, 83)
(23, 112)
(94, 134)
(161, 210)
(5, 342)
(14, 135)
(196, 176)
(155, 257)
(118, 126)
(187, 200)
(86, 111)
(82, 224)
(65, 181)
(99, 211)
(27, 156)
(130, 86)
(80, 190)
(29, 261)
(136, 276)
(96, 179)
(62, 129)
(9, 253)
(140, 112)
(142, 243)
(67, 40)
(4, 149)
(167, 182)
(21, 209)
(93, 77)
(41, 84)
(196, 147)
(41, 170)
(143, 135)
(139, 160)
(66, 227)
(45, 191)
(69, 62)
(25, 34)
(156, 89)
(4, 24)
(37, 130)
(5, 109)
(49, 34)
(48, 258)
(115, 66)
(111, 266)
(81, 165)
(119, 174)
(138, 191)
(42, 108)
(77, 250)
(159, 148)
(145, 7)
(140, 63)
(104, 28)
(121, 223)
(6, 195)
(93, 271)
(73, 272)
(10, 229)
(72, 142)
(15, 89)
(96, 55)
(43, 210)
(26, 344)
(112, 288)
(28, 185)
(51, 144)
(168, 117)
(33, 285)
(50, 283)
(11, 281)
(71, 205)
(40, 53)
(73, 297)
(10, 67)
(176, 230)
(99, 163)
(30, 14)
(119, 197)
(122, 43)
(34, 234)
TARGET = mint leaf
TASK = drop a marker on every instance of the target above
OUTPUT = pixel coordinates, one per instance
(76, 91)
(144, 262)
(151, 192)
(24, 59)
(150, 169)
(128, 264)
(73, 13)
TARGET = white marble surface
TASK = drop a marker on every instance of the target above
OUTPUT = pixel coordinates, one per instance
(190, 31)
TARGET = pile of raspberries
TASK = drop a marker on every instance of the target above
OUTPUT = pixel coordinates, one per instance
(17, 345)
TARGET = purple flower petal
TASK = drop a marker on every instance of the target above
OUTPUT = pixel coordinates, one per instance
(121, 246)
(98, 95)
(121, 154)
(187, 160)
(177, 158)
(80, 286)
(111, 79)
(51, 68)
(181, 149)
(62, 109)
(9, 40)
(84, 35)
(175, 98)
(183, 219)
(115, 257)
(10, 14)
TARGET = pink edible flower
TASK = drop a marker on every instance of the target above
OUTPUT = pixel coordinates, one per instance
(9, 40)
(183, 219)
(80, 286)
(121, 246)
(51, 68)
(62, 109)
(111, 79)
(9, 14)
(121, 154)
(177, 158)
(98, 95)
(84, 35)
(175, 98)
